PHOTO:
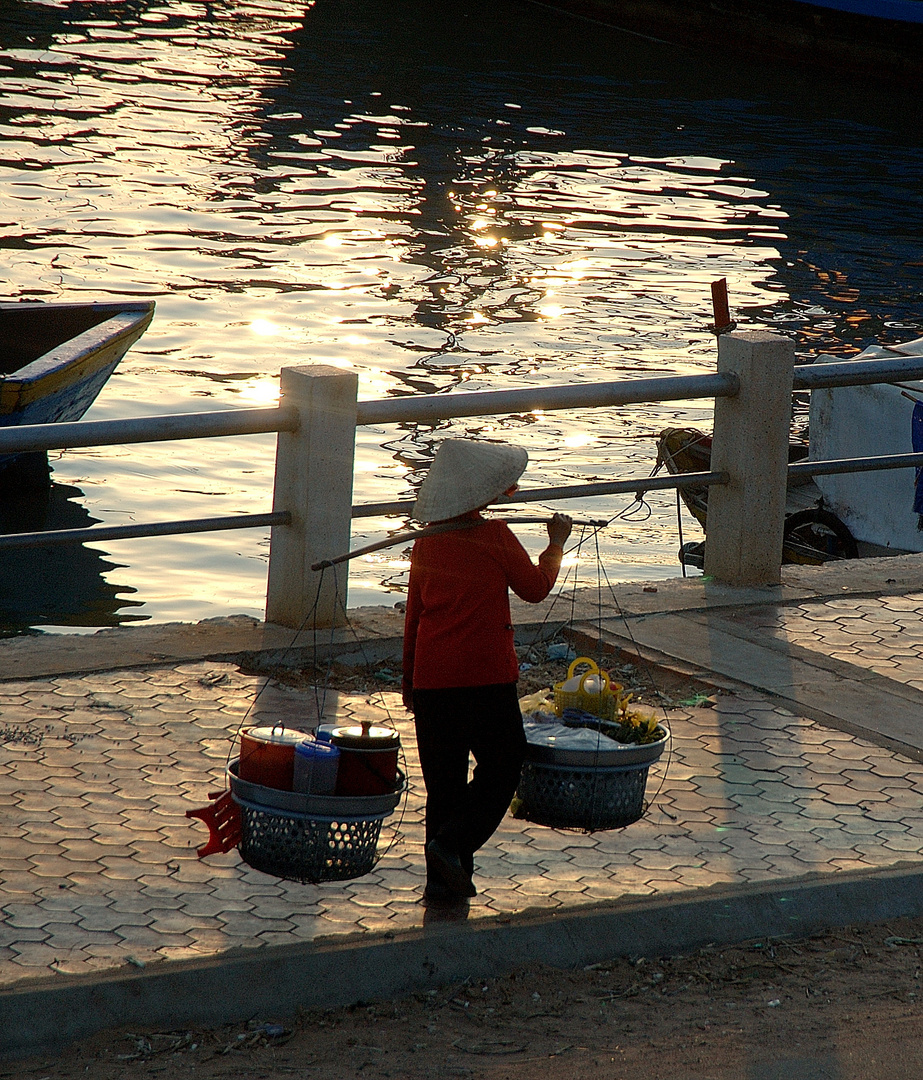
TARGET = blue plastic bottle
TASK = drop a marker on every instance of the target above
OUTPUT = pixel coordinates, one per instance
(316, 766)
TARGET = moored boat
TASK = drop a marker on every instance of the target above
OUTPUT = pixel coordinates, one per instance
(880, 40)
(56, 358)
(884, 507)
(813, 534)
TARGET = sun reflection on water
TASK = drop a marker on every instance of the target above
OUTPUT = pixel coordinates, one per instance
(292, 186)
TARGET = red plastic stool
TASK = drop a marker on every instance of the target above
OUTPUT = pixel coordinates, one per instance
(222, 816)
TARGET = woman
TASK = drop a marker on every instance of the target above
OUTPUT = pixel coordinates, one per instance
(460, 664)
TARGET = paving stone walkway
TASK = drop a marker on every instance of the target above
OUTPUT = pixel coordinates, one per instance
(883, 634)
(97, 859)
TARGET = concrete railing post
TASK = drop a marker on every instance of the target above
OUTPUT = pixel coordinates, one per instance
(747, 515)
(314, 483)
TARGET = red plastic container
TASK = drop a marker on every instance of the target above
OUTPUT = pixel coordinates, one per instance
(368, 760)
(267, 756)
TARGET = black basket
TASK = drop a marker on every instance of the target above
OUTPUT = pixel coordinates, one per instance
(310, 838)
(307, 849)
(591, 799)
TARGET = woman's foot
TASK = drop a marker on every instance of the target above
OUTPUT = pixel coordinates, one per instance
(439, 911)
(451, 875)
(437, 895)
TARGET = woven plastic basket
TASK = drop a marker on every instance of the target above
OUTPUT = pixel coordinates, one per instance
(307, 849)
(591, 798)
(310, 838)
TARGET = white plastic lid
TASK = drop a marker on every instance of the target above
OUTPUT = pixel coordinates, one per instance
(283, 736)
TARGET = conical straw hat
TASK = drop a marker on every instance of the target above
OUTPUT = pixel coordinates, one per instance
(466, 475)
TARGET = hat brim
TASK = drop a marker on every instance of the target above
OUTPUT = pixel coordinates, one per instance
(466, 475)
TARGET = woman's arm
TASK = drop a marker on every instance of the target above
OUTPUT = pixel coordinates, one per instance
(411, 621)
(530, 582)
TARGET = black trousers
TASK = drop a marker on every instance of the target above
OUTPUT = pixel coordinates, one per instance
(481, 721)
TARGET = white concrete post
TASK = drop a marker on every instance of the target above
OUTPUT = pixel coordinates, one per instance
(746, 516)
(314, 483)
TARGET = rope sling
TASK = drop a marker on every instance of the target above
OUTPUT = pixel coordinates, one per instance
(343, 842)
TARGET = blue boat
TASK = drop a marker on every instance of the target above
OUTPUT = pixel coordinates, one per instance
(55, 359)
(879, 40)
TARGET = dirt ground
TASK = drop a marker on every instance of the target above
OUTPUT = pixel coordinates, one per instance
(654, 687)
(836, 1006)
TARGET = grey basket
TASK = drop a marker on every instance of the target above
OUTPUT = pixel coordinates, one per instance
(590, 799)
(327, 806)
(607, 754)
(303, 844)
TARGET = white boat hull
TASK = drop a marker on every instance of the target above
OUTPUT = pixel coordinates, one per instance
(865, 421)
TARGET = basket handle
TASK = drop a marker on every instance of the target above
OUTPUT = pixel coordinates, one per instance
(603, 682)
(594, 668)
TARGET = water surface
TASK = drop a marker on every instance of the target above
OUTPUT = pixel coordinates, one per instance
(487, 195)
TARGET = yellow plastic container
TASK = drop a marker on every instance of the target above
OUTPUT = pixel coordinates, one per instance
(592, 691)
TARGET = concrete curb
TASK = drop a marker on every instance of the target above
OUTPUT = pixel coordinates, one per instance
(276, 982)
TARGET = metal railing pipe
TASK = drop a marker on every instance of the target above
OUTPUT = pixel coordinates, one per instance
(857, 373)
(36, 437)
(155, 528)
(432, 407)
(573, 491)
(854, 465)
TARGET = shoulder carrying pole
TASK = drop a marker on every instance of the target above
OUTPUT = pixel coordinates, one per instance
(410, 535)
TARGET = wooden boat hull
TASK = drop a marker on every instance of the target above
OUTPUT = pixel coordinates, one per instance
(878, 40)
(57, 357)
(812, 534)
(54, 361)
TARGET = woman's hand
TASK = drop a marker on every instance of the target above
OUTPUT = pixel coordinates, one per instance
(559, 528)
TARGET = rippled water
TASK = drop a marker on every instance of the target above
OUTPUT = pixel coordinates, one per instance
(487, 194)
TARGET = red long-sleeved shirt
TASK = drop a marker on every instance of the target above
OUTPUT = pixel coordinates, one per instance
(457, 630)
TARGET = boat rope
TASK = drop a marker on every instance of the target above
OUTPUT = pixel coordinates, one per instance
(679, 529)
(635, 509)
